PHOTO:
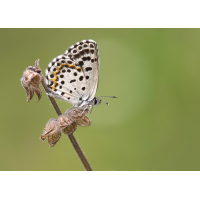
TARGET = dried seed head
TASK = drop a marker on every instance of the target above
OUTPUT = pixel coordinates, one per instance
(52, 132)
(38, 92)
(35, 68)
(84, 121)
(30, 82)
(78, 115)
(32, 78)
(67, 125)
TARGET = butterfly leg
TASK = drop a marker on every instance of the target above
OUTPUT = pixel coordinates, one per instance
(90, 107)
(67, 112)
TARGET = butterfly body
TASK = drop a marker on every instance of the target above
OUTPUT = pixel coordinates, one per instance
(74, 76)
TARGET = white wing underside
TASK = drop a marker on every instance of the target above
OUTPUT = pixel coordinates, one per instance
(74, 76)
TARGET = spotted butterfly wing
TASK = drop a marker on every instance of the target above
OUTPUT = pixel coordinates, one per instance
(74, 76)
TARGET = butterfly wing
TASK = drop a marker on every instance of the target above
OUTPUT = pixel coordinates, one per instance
(85, 54)
(73, 76)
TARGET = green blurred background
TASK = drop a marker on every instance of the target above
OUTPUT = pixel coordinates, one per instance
(154, 124)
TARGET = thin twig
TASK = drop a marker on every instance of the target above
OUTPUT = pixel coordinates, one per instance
(80, 152)
(71, 137)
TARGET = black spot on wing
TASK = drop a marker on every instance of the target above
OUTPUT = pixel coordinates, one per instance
(74, 80)
(87, 51)
(88, 69)
(51, 83)
(80, 78)
(81, 63)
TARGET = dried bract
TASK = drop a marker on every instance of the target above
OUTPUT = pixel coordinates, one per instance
(78, 115)
(30, 82)
(84, 121)
(67, 125)
(52, 132)
(31, 79)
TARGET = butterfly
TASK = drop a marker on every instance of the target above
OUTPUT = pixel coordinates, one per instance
(74, 75)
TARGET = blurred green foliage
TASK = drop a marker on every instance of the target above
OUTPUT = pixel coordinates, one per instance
(152, 125)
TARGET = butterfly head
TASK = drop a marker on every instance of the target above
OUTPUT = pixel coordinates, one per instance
(97, 100)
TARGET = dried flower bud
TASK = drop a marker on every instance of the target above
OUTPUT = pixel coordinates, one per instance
(30, 82)
(35, 68)
(38, 92)
(52, 132)
(31, 79)
(67, 125)
(78, 115)
(84, 121)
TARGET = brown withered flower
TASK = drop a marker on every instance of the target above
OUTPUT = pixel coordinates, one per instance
(52, 132)
(78, 115)
(67, 125)
(30, 81)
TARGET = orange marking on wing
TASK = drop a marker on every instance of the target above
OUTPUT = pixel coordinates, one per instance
(58, 70)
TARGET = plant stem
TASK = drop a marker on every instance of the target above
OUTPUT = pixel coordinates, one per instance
(71, 137)
(80, 152)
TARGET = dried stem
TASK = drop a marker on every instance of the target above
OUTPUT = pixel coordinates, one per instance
(71, 137)
(80, 152)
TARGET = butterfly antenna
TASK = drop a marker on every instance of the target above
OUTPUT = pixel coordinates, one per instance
(104, 101)
(109, 96)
